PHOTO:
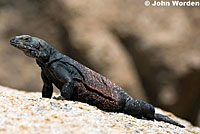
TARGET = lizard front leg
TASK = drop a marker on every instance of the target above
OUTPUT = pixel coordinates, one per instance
(47, 89)
(66, 91)
(62, 75)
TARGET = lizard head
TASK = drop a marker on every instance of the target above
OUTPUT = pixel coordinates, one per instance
(31, 46)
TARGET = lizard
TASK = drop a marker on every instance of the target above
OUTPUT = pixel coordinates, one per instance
(77, 82)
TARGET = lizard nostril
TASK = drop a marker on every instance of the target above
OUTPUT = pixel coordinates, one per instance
(12, 40)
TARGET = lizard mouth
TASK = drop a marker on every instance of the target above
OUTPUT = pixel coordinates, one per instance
(17, 44)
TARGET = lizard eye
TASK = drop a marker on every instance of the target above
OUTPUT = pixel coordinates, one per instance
(26, 38)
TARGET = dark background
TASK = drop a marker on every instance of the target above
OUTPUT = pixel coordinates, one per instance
(151, 52)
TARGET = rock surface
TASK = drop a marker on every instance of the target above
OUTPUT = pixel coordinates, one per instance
(151, 52)
(26, 112)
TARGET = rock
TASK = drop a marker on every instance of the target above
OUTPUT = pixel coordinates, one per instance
(153, 53)
(26, 112)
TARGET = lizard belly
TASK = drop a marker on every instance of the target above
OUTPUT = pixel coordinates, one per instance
(84, 94)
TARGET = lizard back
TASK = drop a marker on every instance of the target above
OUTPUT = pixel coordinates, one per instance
(96, 85)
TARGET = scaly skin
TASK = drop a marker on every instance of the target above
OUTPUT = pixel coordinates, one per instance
(79, 83)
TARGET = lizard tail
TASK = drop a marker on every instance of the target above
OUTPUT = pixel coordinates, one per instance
(160, 117)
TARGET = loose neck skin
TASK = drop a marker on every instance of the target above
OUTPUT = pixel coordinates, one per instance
(51, 56)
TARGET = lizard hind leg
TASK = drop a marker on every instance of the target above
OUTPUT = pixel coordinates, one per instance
(139, 108)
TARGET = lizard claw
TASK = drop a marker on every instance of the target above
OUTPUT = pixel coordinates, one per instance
(59, 98)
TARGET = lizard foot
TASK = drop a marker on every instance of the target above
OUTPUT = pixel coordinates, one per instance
(59, 98)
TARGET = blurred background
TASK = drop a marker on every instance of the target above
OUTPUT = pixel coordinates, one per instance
(151, 52)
